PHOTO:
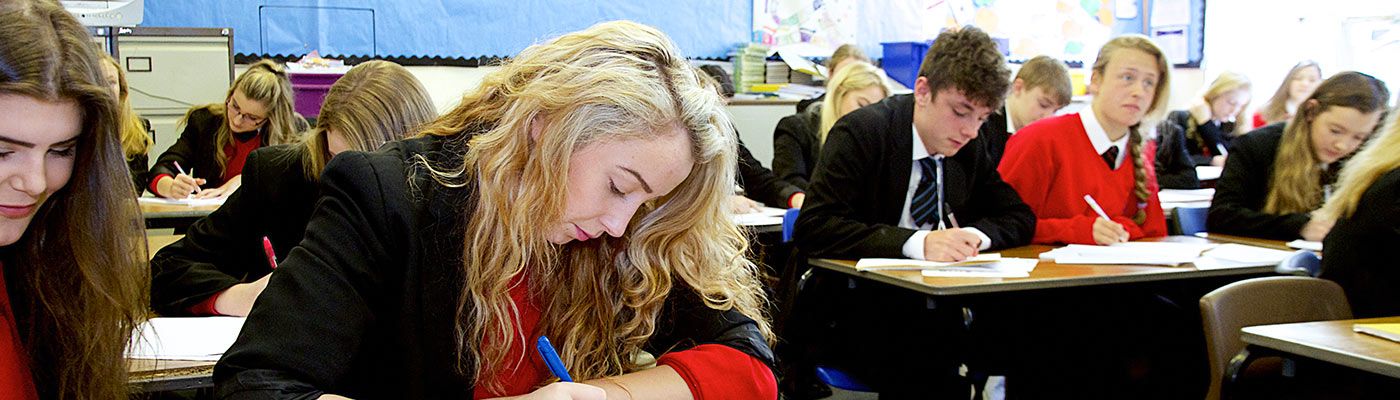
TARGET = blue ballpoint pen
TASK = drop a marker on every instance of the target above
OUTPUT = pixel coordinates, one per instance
(551, 359)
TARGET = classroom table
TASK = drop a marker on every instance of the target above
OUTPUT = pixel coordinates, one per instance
(1331, 341)
(149, 376)
(1047, 274)
(173, 215)
(979, 299)
(156, 242)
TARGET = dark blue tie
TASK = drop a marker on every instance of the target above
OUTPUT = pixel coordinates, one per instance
(924, 207)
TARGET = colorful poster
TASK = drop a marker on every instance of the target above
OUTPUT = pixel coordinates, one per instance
(811, 28)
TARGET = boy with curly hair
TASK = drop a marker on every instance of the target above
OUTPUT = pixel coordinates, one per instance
(908, 177)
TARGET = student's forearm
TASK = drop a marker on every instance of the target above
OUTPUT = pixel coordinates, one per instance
(661, 382)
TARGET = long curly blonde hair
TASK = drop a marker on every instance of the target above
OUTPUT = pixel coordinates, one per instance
(601, 298)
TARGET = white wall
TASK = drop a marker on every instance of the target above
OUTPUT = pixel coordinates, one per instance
(1264, 39)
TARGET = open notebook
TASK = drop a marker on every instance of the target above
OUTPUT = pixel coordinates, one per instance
(188, 338)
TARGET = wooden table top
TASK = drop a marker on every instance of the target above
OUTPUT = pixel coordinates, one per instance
(1269, 243)
(150, 210)
(156, 242)
(1331, 341)
(148, 375)
(1046, 274)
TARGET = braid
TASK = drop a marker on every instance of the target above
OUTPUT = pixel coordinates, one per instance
(1139, 174)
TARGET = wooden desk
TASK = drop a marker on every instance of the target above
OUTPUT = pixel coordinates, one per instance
(1045, 276)
(173, 216)
(1331, 341)
(148, 375)
(156, 242)
(1269, 243)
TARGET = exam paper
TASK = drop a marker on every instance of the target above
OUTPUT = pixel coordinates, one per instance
(1003, 268)
(187, 338)
(1233, 255)
(765, 216)
(217, 201)
(1305, 245)
(872, 264)
(1131, 253)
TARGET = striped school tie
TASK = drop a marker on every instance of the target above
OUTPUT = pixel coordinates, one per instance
(926, 205)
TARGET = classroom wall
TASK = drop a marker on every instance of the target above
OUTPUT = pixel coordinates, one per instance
(1263, 42)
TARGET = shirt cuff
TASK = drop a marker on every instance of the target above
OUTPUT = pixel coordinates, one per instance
(986, 241)
(914, 247)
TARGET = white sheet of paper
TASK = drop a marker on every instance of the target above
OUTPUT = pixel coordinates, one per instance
(1003, 268)
(1233, 255)
(1171, 12)
(188, 338)
(1185, 195)
(1208, 172)
(1131, 253)
(1305, 245)
(871, 264)
(183, 202)
(765, 216)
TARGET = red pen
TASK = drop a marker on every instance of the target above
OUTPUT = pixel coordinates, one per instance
(271, 257)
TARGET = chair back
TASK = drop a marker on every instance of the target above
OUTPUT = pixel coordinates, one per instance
(1263, 301)
(1187, 220)
(1300, 263)
(789, 220)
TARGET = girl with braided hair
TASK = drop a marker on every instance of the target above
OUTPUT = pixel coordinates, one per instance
(1099, 151)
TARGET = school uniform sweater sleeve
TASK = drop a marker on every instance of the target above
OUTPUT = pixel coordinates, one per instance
(721, 354)
(1052, 166)
(1243, 188)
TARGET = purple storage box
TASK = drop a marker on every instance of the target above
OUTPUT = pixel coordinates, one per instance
(310, 90)
(902, 60)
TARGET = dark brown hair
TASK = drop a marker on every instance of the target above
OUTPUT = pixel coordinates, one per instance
(77, 276)
(967, 60)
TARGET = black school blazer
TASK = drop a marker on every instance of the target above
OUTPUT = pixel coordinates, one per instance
(1243, 189)
(365, 305)
(225, 248)
(857, 194)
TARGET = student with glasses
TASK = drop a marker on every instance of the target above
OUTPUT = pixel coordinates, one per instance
(207, 160)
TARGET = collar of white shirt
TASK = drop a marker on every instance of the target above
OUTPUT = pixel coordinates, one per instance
(1099, 138)
(1010, 125)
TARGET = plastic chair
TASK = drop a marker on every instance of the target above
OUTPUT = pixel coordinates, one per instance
(1261, 301)
(1301, 263)
(789, 220)
(837, 379)
(1187, 220)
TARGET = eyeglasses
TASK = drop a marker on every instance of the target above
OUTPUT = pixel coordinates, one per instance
(237, 112)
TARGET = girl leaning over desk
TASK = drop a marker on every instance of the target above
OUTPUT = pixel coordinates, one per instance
(1277, 175)
(1359, 252)
(219, 267)
(580, 193)
(71, 238)
(217, 138)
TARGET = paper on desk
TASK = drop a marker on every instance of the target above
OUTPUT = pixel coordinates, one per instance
(1233, 255)
(1208, 172)
(1185, 195)
(1003, 268)
(1132, 253)
(183, 202)
(798, 63)
(872, 264)
(1305, 245)
(190, 338)
(765, 216)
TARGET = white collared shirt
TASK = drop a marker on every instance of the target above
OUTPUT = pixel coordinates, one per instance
(1010, 125)
(1099, 138)
(914, 247)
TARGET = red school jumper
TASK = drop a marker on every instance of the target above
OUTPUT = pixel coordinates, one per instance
(1052, 165)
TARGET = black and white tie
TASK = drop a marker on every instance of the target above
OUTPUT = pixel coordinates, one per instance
(926, 205)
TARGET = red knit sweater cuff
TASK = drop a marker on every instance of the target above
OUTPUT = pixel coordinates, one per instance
(206, 307)
(153, 183)
(715, 371)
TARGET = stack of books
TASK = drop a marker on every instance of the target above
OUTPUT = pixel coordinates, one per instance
(777, 72)
(749, 62)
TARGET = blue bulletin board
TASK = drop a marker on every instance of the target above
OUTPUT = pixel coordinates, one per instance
(445, 28)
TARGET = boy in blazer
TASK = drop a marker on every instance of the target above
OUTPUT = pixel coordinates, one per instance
(877, 193)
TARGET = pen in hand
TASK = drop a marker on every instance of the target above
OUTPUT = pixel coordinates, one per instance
(1095, 205)
(182, 172)
(551, 359)
(271, 256)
